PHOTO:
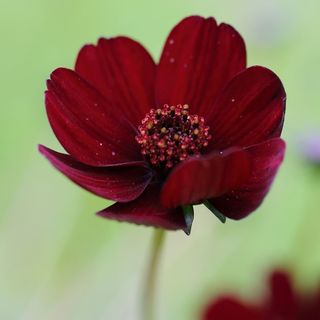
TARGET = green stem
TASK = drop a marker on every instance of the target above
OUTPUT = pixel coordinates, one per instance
(150, 284)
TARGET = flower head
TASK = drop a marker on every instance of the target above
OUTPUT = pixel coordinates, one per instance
(158, 138)
(283, 302)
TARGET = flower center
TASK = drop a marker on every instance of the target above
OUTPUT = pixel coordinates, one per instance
(170, 134)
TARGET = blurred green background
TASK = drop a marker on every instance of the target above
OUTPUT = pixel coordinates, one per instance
(57, 259)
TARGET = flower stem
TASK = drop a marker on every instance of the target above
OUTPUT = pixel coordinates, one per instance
(150, 284)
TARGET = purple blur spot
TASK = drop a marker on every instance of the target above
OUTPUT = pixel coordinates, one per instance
(310, 146)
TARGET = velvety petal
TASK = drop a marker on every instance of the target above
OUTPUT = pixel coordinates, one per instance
(123, 71)
(312, 307)
(147, 210)
(284, 302)
(229, 308)
(85, 123)
(115, 183)
(239, 202)
(249, 110)
(200, 178)
(198, 59)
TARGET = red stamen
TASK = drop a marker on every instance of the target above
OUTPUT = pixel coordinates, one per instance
(169, 135)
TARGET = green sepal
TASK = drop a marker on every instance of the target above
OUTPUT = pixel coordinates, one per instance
(215, 211)
(188, 216)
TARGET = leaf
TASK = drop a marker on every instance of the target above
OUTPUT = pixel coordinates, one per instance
(215, 211)
(188, 215)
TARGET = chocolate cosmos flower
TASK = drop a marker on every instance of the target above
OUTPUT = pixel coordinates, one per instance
(282, 303)
(198, 127)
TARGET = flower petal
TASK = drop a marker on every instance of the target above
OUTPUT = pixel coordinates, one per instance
(122, 70)
(85, 123)
(284, 302)
(229, 308)
(200, 178)
(249, 110)
(198, 59)
(114, 183)
(239, 202)
(147, 210)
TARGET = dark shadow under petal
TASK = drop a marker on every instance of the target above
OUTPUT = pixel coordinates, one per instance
(147, 210)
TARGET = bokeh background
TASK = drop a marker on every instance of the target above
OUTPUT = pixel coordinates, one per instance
(57, 259)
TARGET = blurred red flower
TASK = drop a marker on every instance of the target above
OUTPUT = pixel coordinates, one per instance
(196, 127)
(283, 303)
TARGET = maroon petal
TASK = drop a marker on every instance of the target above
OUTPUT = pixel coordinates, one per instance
(249, 110)
(115, 183)
(123, 71)
(284, 302)
(147, 210)
(239, 202)
(85, 123)
(200, 178)
(313, 307)
(229, 308)
(198, 59)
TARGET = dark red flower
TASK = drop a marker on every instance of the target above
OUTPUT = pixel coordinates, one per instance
(283, 302)
(156, 138)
